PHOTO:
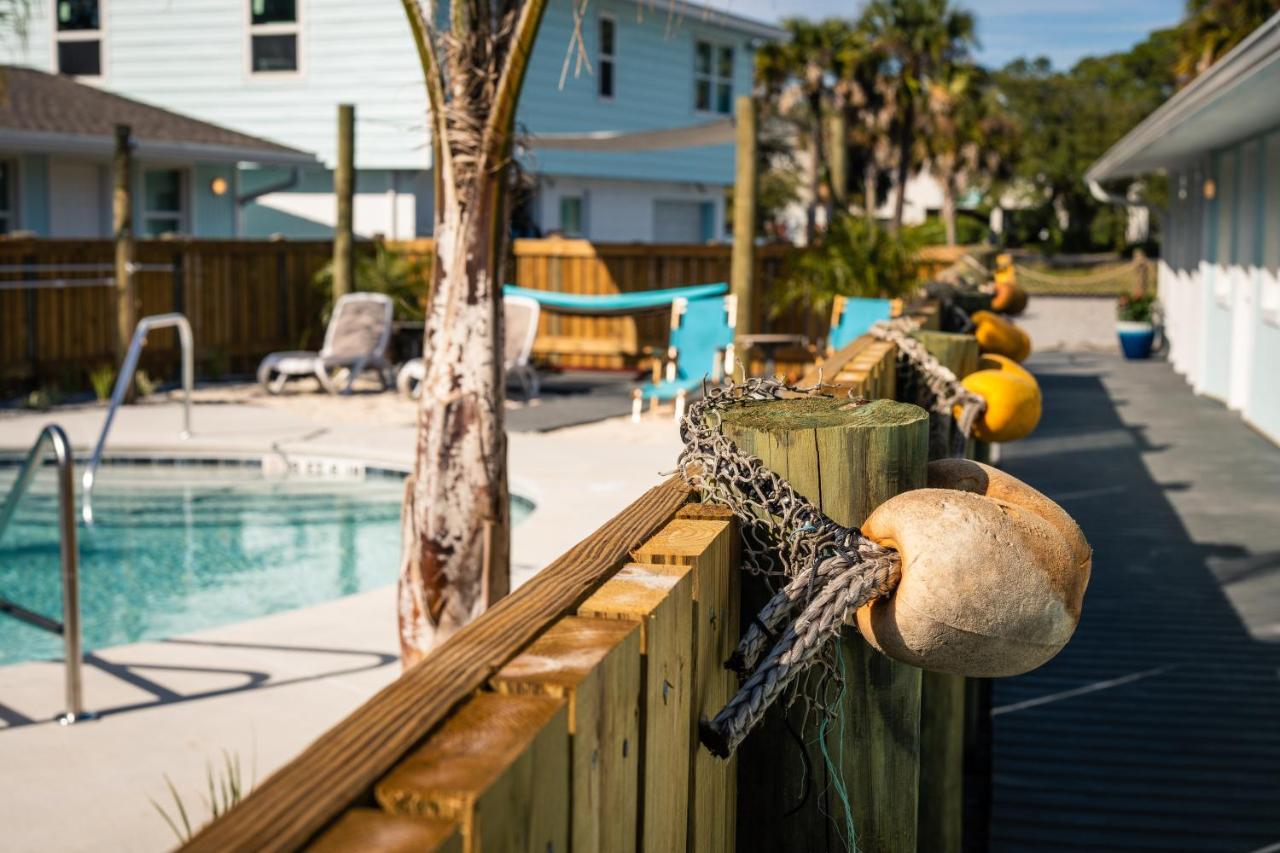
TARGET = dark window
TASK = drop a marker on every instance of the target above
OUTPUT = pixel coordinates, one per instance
(162, 202)
(607, 57)
(6, 199)
(78, 37)
(274, 12)
(76, 15)
(712, 78)
(80, 58)
(275, 53)
(273, 36)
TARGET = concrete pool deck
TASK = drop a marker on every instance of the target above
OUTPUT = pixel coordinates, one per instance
(260, 690)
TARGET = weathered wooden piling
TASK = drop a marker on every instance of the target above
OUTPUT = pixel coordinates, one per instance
(846, 458)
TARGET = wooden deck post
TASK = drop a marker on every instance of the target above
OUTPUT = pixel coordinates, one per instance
(122, 231)
(742, 265)
(848, 459)
(344, 182)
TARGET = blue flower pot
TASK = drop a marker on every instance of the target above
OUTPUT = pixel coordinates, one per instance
(1135, 338)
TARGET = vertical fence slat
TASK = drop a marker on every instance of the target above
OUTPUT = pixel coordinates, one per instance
(660, 599)
(499, 767)
(594, 666)
(707, 547)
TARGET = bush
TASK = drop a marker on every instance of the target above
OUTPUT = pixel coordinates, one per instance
(385, 270)
(932, 232)
(102, 378)
(854, 257)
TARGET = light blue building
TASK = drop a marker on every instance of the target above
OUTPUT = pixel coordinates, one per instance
(277, 69)
(1218, 141)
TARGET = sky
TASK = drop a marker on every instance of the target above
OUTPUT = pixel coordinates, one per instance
(1063, 30)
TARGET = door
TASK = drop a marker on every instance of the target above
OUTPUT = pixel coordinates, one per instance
(76, 206)
(677, 222)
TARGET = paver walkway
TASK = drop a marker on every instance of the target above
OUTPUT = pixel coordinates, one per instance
(1158, 727)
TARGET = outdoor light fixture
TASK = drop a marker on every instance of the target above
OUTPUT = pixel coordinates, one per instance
(218, 186)
(1210, 188)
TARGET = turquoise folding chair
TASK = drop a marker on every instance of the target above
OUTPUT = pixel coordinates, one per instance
(852, 317)
(699, 347)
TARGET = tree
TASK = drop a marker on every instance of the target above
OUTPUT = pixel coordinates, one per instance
(969, 140)
(1068, 119)
(1212, 28)
(455, 523)
(920, 39)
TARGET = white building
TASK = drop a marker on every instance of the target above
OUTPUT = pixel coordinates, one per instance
(1218, 141)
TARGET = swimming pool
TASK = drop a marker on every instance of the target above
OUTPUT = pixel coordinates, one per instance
(181, 547)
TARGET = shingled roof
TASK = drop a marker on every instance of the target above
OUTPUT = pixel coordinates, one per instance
(58, 114)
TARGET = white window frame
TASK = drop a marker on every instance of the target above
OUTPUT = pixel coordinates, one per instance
(99, 35)
(602, 57)
(289, 29)
(183, 213)
(714, 76)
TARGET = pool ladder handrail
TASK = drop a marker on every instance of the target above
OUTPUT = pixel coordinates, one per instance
(123, 380)
(69, 628)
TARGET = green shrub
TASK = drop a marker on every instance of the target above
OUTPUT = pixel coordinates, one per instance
(932, 232)
(384, 270)
(1136, 307)
(145, 385)
(853, 257)
(102, 378)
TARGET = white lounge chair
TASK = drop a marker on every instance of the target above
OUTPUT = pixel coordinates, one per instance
(355, 341)
(520, 328)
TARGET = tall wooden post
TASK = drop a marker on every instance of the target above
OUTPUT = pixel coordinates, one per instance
(344, 188)
(122, 231)
(742, 269)
(838, 160)
(847, 459)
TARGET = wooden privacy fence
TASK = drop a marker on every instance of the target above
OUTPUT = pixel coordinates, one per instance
(248, 298)
(566, 717)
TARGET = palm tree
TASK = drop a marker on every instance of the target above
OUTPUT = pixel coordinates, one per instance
(919, 39)
(969, 139)
(456, 518)
(1213, 27)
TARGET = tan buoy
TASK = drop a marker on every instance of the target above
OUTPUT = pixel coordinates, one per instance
(993, 574)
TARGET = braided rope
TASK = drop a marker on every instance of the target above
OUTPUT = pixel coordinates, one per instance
(1113, 273)
(827, 570)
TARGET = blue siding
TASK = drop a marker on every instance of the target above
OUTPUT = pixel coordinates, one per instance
(33, 194)
(654, 89)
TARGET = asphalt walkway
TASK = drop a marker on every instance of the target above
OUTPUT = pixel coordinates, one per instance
(1158, 727)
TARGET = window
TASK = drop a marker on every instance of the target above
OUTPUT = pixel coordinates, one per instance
(607, 55)
(6, 197)
(571, 216)
(162, 202)
(78, 37)
(712, 78)
(273, 36)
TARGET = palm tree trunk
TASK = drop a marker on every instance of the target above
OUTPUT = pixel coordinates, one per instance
(870, 177)
(455, 523)
(904, 167)
(949, 210)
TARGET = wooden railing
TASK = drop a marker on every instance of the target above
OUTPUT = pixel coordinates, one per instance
(566, 716)
(247, 298)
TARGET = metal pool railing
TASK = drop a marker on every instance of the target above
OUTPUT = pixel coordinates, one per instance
(145, 325)
(69, 627)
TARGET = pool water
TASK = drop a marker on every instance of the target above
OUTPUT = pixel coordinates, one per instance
(175, 549)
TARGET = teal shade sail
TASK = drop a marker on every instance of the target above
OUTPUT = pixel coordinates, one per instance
(615, 303)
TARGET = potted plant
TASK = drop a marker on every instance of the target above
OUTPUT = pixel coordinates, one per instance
(1134, 324)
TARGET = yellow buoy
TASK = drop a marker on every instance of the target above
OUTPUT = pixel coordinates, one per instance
(998, 335)
(1013, 404)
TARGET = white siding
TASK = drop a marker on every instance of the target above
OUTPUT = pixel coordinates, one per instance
(622, 211)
